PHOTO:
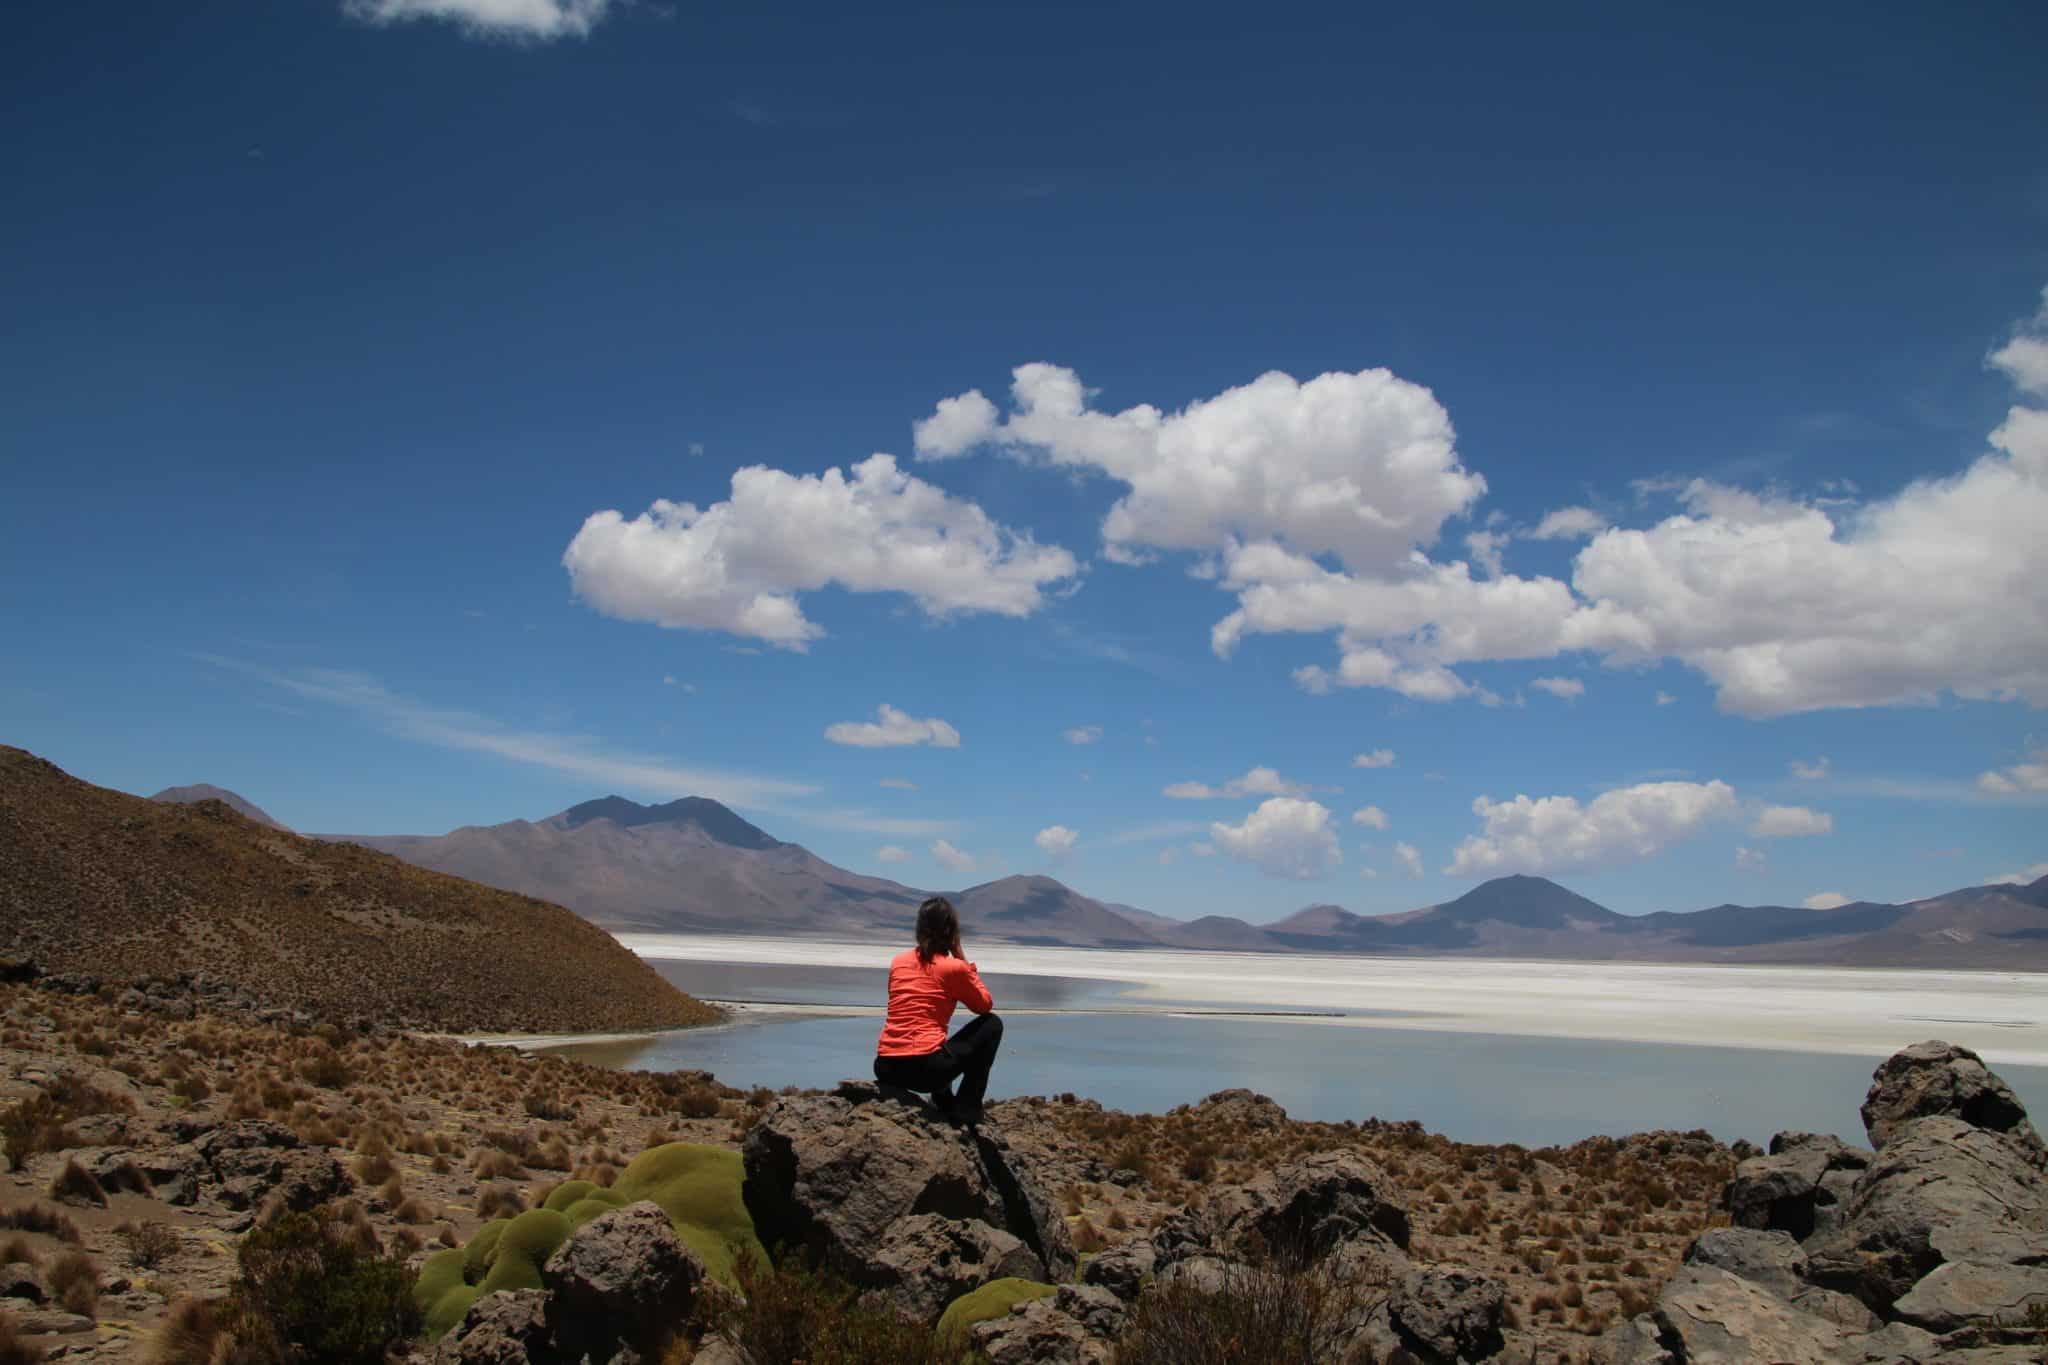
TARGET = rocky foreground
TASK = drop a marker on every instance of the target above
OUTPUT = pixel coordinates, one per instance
(195, 1181)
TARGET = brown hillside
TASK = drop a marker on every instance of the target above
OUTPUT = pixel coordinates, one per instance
(98, 881)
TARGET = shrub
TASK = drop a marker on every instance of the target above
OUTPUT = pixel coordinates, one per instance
(41, 1218)
(190, 1332)
(17, 1251)
(374, 1170)
(74, 1278)
(149, 1245)
(33, 1125)
(699, 1102)
(13, 1350)
(308, 1292)
(1257, 1317)
(797, 1314)
(75, 1184)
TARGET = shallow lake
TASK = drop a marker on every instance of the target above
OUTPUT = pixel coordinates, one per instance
(1536, 1053)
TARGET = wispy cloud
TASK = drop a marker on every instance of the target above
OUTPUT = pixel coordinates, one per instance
(1153, 833)
(574, 755)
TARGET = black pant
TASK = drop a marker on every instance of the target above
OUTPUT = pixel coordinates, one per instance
(968, 1055)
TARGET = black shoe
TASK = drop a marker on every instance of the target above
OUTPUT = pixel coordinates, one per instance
(966, 1115)
(942, 1100)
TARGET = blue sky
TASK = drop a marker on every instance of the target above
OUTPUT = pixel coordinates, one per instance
(1678, 423)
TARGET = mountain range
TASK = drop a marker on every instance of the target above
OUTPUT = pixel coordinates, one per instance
(693, 866)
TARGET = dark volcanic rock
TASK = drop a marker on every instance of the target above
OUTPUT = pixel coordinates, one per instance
(1307, 1208)
(21, 1284)
(1769, 1258)
(1122, 1270)
(1940, 1191)
(832, 1173)
(621, 1276)
(1940, 1079)
(1034, 1333)
(925, 1261)
(1799, 1188)
(1449, 1316)
(508, 1327)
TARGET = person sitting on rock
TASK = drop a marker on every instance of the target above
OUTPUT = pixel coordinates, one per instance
(924, 985)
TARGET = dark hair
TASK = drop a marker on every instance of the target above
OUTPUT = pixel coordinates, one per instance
(938, 930)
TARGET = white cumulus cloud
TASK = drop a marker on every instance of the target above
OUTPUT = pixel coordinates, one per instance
(1665, 699)
(541, 19)
(1361, 465)
(1056, 841)
(1320, 503)
(1256, 782)
(1082, 734)
(1569, 523)
(2027, 776)
(2024, 359)
(1751, 860)
(1284, 837)
(1410, 858)
(2025, 877)
(892, 853)
(738, 566)
(1376, 758)
(900, 784)
(1371, 817)
(1810, 772)
(951, 858)
(1567, 688)
(1790, 822)
(893, 729)
(1825, 900)
(1557, 834)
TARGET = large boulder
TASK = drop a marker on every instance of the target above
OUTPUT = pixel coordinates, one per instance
(249, 1161)
(1769, 1258)
(830, 1175)
(1959, 1294)
(1306, 1209)
(1034, 1333)
(622, 1276)
(1941, 1191)
(1706, 1316)
(1937, 1079)
(925, 1261)
(1123, 1270)
(1448, 1316)
(1799, 1188)
(509, 1327)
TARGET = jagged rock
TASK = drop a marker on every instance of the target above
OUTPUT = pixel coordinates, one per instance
(1940, 1191)
(21, 1284)
(1893, 1343)
(508, 1327)
(1122, 1270)
(1846, 1313)
(1707, 1316)
(1101, 1314)
(831, 1173)
(175, 1174)
(1238, 1107)
(925, 1261)
(1799, 1188)
(1307, 1207)
(100, 1130)
(1960, 1295)
(1203, 1274)
(52, 1322)
(1769, 1258)
(1633, 1342)
(621, 1275)
(1940, 1079)
(1448, 1316)
(1034, 1333)
(255, 1158)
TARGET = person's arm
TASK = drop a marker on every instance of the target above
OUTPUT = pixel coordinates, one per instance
(963, 982)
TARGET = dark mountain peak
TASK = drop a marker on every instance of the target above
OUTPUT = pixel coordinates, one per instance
(707, 815)
(206, 791)
(1023, 882)
(1532, 902)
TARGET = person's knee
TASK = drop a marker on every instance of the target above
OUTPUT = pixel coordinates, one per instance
(992, 1024)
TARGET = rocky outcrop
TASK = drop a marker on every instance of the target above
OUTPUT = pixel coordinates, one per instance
(1935, 1248)
(926, 1261)
(1449, 1315)
(1940, 1079)
(844, 1178)
(626, 1271)
(1799, 1188)
(1307, 1209)
(509, 1327)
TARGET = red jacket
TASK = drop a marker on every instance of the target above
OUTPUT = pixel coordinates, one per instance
(921, 1000)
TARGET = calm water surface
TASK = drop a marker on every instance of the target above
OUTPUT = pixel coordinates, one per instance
(1474, 1087)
